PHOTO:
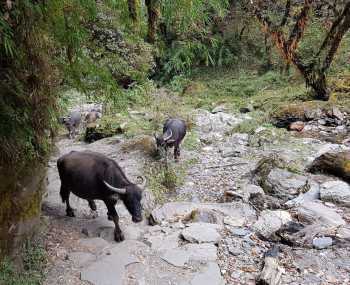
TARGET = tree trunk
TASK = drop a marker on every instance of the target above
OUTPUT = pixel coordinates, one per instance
(153, 9)
(134, 13)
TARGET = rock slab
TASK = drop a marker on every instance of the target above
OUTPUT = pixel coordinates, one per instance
(202, 233)
(336, 191)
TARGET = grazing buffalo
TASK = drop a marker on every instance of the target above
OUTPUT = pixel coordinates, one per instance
(93, 176)
(72, 123)
(174, 130)
(92, 117)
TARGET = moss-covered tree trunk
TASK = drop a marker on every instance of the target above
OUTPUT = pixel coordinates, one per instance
(134, 13)
(153, 10)
(27, 109)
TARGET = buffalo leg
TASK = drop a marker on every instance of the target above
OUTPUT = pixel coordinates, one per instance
(92, 205)
(176, 152)
(69, 209)
(64, 192)
(118, 235)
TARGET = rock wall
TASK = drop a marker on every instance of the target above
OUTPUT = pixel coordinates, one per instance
(20, 207)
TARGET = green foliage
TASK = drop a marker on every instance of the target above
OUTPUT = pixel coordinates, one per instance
(34, 261)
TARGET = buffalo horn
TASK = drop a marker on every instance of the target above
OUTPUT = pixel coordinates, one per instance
(169, 136)
(143, 183)
(117, 190)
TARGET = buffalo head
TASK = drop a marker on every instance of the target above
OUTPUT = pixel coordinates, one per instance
(131, 196)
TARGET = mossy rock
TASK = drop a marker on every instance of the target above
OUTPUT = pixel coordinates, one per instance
(302, 111)
(145, 143)
(108, 126)
(264, 167)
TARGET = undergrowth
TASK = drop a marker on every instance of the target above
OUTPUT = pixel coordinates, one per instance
(34, 261)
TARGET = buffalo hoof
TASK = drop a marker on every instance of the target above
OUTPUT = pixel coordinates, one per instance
(92, 205)
(70, 213)
(118, 236)
(110, 218)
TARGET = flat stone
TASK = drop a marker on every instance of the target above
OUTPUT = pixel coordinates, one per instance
(211, 275)
(311, 212)
(240, 232)
(297, 126)
(322, 242)
(235, 222)
(201, 233)
(176, 257)
(336, 191)
(80, 259)
(271, 221)
(164, 242)
(95, 245)
(201, 252)
(111, 269)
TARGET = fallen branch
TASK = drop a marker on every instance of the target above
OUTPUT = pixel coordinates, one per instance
(272, 272)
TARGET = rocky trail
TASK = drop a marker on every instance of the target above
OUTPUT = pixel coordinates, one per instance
(245, 196)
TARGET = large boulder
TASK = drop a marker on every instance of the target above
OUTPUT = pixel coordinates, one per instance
(336, 191)
(337, 164)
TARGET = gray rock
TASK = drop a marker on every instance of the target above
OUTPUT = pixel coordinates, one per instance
(209, 276)
(343, 233)
(240, 232)
(238, 139)
(110, 270)
(176, 257)
(163, 242)
(311, 195)
(179, 257)
(175, 211)
(95, 245)
(236, 151)
(322, 242)
(201, 252)
(336, 191)
(284, 184)
(80, 259)
(201, 233)
(315, 212)
(271, 221)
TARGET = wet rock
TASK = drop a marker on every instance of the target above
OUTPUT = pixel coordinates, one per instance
(270, 222)
(209, 276)
(284, 184)
(316, 212)
(322, 242)
(297, 126)
(336, 191)
(202, 233)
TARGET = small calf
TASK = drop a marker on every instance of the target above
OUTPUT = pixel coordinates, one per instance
(174, 130)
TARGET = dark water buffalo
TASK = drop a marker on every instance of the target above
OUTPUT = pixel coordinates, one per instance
(72, 123)
(174, 130)
(93, 176)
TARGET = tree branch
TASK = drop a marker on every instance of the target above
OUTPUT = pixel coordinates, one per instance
(286, 14)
